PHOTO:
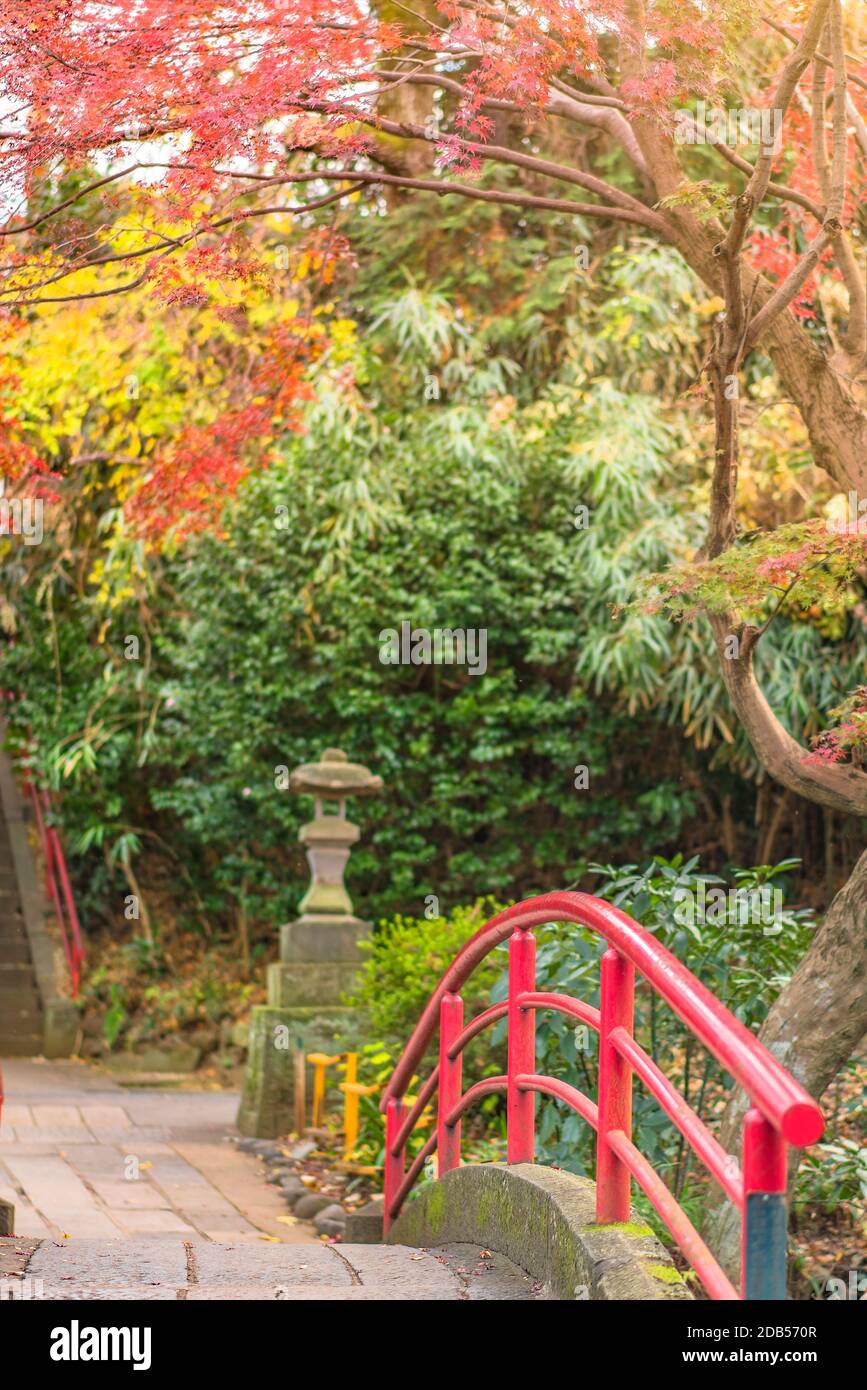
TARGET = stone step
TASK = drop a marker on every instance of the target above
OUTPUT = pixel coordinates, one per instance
(14, 1025)
(17, 1007)
(12, 927)
(23, 999)
(89, 1268)
(19, 1044)
(14, 950)
(16, 975)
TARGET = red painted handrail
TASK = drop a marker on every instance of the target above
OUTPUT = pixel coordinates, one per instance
(781, 1112)
(57, 884)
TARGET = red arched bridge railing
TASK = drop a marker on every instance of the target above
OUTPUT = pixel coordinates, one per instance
(57, 884)
(781, 1111)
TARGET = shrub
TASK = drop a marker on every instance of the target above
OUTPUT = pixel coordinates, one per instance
(407, 956)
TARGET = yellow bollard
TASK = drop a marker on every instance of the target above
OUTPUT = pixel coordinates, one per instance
(319, 1061)
(350, 1068)
(352, 1092)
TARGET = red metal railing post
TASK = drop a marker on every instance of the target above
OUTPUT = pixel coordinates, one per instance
(521, 1105)
(450, 1080)
(763, 1217)
(617, 995)
(57, 885)
(394, 1163)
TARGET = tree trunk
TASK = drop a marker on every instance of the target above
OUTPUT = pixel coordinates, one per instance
(813, 1028)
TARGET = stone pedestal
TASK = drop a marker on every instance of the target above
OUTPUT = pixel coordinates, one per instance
(319, 957)
(267, 1107)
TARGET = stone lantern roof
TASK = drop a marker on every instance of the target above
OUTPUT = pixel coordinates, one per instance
(334, 776)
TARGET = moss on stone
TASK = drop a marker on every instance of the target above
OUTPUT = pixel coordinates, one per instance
(625, 1228)
(435, 1207)
(540, 1218)
(667, 1273)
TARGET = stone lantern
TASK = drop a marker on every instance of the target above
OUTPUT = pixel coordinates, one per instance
(329, 838)
(319, 955)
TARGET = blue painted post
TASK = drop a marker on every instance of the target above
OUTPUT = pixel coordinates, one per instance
(764, 1217)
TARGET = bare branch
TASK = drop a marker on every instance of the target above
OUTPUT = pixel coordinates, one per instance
(817, 126)
(820, 57)
(837, 187)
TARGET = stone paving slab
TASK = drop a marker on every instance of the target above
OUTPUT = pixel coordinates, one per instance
(264, 1266)
(323, 1293)
(81, 1156)
(487, 1276)
(396, 1267)
(198, 1271)
(58, 1117)
(96, 1293)
(59, 1196)
(141, 1262)
(14, 1115)
(110, 1119)
(28, 1222)
(230, 1174)
(124, 1196)
(157, 1223)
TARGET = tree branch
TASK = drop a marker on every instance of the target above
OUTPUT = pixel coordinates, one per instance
(785, 292)
(789, 79)
(442, 188)
(841, 787)
(501, 154)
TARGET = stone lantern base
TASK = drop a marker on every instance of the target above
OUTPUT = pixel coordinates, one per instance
(267, 1107)
(318, 967)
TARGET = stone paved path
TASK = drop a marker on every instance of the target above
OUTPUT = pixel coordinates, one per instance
(134, 1194)
(83, 1157)
(170, 1269)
